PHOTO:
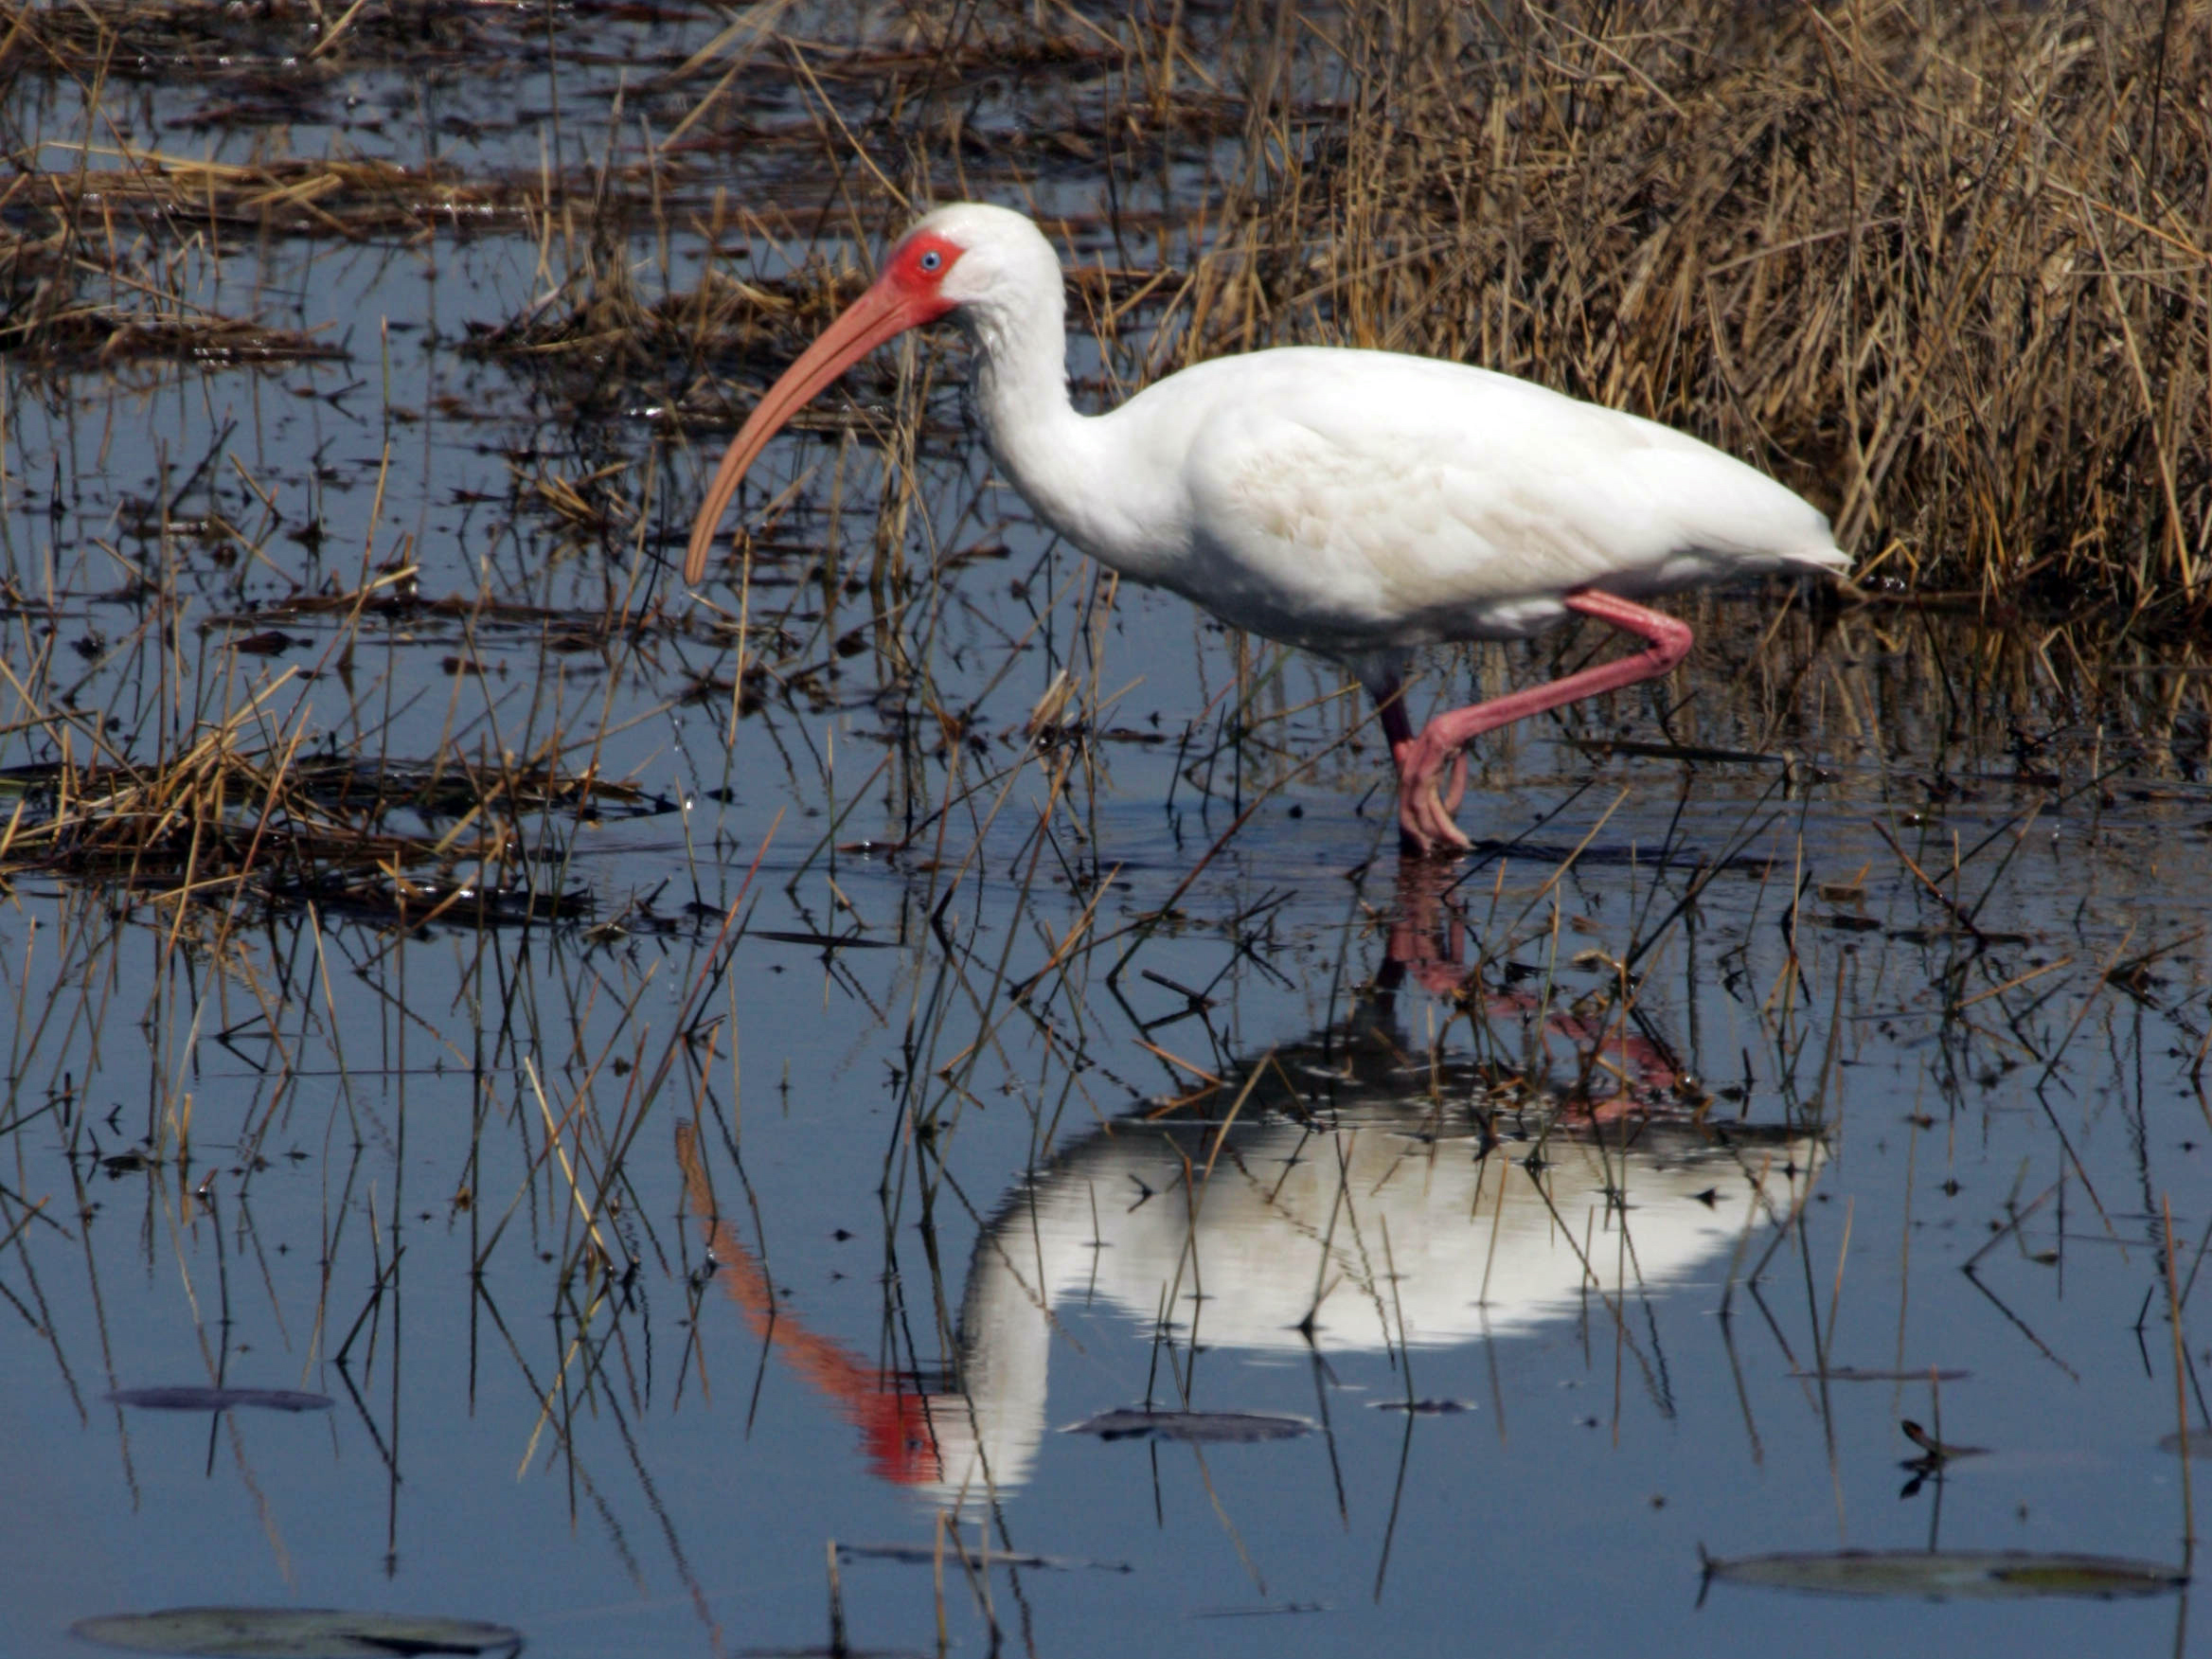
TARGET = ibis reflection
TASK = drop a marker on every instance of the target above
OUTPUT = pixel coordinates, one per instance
(1359, 1198)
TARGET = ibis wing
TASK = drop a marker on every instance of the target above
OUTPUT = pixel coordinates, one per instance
(1340, 494)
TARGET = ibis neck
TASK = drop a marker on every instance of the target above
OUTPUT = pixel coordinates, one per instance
(1051, 453)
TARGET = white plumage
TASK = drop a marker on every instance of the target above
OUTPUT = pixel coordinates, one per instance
(1358, 504)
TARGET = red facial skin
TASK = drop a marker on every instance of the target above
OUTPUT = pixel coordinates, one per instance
(909, 270)
(908, 293)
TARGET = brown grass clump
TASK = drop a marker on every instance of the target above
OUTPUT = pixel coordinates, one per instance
(67, 305)
(1943, 269)
(345, 197)
(236, 813)
(215, 826)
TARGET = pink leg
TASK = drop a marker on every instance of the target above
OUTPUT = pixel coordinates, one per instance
(1427, 935)
(1424, 812)
(1398, 729)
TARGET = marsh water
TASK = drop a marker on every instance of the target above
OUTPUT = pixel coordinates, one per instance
(905, 1100)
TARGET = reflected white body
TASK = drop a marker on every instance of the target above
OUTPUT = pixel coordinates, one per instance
(1290, 1246)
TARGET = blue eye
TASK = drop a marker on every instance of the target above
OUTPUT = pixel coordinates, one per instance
(932, 259)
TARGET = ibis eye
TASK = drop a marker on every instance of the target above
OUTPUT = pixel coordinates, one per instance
(932, 259)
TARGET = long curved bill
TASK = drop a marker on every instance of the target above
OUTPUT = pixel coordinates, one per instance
(883, 312)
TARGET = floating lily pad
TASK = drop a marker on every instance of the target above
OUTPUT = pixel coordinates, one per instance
(1973, 1575)
(296, 1633)
(1134, 1422)
(188, 1397)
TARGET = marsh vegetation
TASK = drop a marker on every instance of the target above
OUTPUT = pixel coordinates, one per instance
(709, 1085)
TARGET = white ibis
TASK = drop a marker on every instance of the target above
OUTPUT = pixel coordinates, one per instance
(1357, 504)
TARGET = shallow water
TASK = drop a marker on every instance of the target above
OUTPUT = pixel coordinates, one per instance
(917, 1089)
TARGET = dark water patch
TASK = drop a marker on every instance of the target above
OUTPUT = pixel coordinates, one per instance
(1933, 1451)
(1613, 856)
(1605, 747)
(1950, 1575)
(189, 1397)
(1206, 1427)
(420, 901)
(1279, 1610)
(296, 1633)
(826, 941)
(914, 1555)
